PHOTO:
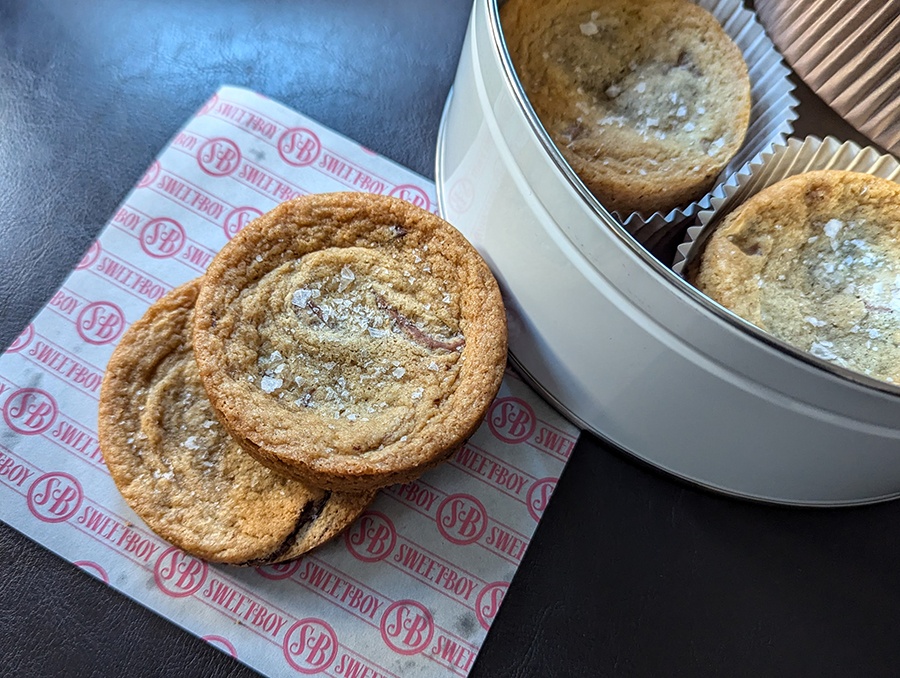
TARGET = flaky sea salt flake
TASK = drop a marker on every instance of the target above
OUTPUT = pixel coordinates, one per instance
(822, 349)
(832, 227)
(303, 296)
(589, 28)
(269, 384)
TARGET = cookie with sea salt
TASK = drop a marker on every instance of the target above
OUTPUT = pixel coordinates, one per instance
(350, 340)
(180, 471)
(814, 260)
(647, 100)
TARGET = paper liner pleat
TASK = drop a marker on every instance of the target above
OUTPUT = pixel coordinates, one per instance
(794, 157)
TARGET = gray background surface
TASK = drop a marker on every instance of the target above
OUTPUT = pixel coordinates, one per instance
(631, 573)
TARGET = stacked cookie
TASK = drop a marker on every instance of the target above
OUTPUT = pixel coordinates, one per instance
(340, 343)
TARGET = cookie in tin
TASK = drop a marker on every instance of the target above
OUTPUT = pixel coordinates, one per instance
(647, 101)
(814, 260)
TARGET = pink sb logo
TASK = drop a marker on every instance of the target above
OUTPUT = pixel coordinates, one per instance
(412, 194)
(90, 257)
(162, 238)
(371, 538)
(100, 322)
(222, 643)
(55, 497)
(539, 496)
(93, 568)
(299, 147)
(150, 175)
(461, 195)
(407, 627)
(219, 157)
(310, 646)
(462, 519)
(511, 420)
(30, 411)
(279, 570)
(177, 574)
(488, 603)
(238, 218)
(22, 340)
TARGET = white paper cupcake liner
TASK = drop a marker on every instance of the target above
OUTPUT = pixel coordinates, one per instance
(772, 113)
(794, 157)
(846, 51)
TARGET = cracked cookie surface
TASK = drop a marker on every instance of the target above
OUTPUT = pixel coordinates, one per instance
(182, 473)
(350, 340)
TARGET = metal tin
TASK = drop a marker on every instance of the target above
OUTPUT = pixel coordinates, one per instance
(624, 346)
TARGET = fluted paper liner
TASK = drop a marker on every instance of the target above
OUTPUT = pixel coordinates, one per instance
(772, 113)
(846, 51)
(794, 157)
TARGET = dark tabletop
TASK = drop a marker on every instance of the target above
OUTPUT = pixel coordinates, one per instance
(631, 573)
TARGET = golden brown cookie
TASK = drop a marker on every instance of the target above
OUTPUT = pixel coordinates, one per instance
(815, 260)
(647, 100)
(350, 340)
(180, 471)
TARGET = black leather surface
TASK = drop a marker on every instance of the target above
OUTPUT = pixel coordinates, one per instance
(630, 574)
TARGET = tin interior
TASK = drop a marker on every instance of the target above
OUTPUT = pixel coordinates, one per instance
(667, 276)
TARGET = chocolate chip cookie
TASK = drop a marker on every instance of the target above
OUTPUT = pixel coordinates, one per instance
(647, 100)
(182, 473)
(350, 340)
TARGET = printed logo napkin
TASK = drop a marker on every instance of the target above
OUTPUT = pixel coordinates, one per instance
(413, 586)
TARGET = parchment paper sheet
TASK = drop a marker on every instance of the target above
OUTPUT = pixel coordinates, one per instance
(413, 586)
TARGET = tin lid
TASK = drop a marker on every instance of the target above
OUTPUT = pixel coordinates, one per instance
(846, 52)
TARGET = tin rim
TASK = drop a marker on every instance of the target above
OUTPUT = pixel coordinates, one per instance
(704, 485)
(625, 238)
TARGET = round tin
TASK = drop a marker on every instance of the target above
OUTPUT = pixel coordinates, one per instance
(623, 345)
